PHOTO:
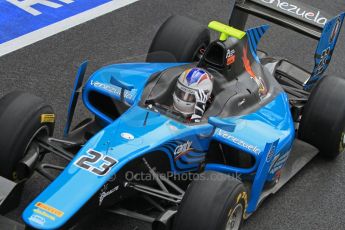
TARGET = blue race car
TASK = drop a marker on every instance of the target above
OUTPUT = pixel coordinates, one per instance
(142, 156)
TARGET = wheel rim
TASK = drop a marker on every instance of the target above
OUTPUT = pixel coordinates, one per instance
(235, 218)
(342, 142)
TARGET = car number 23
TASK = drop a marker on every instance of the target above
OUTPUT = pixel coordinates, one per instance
(96, 162)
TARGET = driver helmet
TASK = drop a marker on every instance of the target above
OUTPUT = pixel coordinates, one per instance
(189, 82)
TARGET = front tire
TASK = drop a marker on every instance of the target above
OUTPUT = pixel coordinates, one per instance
(215, 202)
(23, 117)
(323, 118)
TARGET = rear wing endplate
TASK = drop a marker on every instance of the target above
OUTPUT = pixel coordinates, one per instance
(299, 17)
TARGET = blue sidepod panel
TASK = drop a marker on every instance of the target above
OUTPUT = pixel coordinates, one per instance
(129, 137)
(135, 74)
(254, 131)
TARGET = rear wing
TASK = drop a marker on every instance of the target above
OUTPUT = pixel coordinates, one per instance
(299, 17)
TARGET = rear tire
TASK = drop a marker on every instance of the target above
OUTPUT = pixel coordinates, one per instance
(21, 121)
(323, 118)
(215, 202)
(179, 39)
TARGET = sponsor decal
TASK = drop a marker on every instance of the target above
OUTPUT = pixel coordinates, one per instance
(114, 89)
(105, 192)
(278, 162)
(183, 149)
(230, 56)
(274, 161)
(298, 11)
(271, 154)
(96, 162)
(49, 209)
(44, 213)
(322, 66)
(184, 155)
(47, 118)
(335, 31)
(258, 80)
(37, 219)
(185, 89)
(238, 141)
(127, 136)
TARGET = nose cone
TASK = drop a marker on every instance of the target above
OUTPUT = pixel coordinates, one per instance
(112, 148)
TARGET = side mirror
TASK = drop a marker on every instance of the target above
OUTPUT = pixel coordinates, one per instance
(220, 123)
(121, 84)
(124, 86)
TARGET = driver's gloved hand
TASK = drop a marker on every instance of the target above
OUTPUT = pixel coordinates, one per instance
(200, 105)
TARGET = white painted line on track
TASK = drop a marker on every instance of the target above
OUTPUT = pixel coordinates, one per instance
(60, 26)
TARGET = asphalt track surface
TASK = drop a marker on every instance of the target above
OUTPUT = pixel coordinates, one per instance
(314, 199)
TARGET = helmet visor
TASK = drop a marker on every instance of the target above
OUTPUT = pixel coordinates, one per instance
(184, 94)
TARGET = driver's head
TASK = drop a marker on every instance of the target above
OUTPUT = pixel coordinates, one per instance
(190, 82)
